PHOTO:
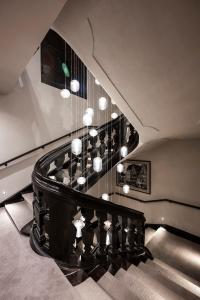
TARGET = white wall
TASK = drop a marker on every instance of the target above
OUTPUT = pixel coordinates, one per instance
(36, 114)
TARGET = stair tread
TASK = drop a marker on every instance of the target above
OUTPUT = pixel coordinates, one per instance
(115, 288)
(20, 213)
(177, 252)
(149, 281)
(28, 197)
(179, 277)
(141, 290)
(154, 272)
(89, 289)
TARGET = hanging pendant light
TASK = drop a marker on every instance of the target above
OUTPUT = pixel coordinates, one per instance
(120, 168)
(124, 151)
(81, 180)
(76, 146)
(90, 111)
(105, 197)
(87, 119)
(93, 132)
(97, 164)
(74, 85)
(65, 93)
(126, 188)
(97, 82)
(114, 115)
(103, 103)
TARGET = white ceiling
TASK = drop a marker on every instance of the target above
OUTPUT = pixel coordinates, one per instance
(23, 25)
(146, 54)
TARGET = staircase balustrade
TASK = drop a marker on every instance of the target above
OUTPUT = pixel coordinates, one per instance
(59, 200)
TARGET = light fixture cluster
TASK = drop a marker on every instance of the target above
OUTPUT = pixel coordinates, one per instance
(74, 87)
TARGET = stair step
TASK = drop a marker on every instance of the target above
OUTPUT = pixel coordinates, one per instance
(115, 288)
(20, 213)
(177, 252)
(154, 272)
(141, 290)
(149, 281)
(28, 197)
(89, 289)
(178, 277)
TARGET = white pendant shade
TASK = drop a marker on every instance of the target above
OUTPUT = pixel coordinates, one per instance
(97, 82)
(74, 85)
(90, 111)
(93, 132)
(65, 93)
(97, 164)
(126, 188)
(120, 168)
(124, 151)
(105, 197)
(103, 103)
(76, 146)
(114, 115)
(81, 180)
(87, 119)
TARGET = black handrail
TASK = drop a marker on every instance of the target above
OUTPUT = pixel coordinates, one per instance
(157, 200)
(5, 163)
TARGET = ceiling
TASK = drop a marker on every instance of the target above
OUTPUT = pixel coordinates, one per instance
(146, 54)
(23, 25)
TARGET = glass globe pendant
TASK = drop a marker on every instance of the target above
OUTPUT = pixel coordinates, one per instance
(97, 164)
(126, 188)
(114, 115)
(74, 85)
(103, 103)
(81, 180)
(90, 111)
(87, 119)
(93, 132)
(105, 197)
(120, 168)
(124, 151)
(65, 93)
(76, 146)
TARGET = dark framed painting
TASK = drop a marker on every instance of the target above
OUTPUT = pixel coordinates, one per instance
(137, 174)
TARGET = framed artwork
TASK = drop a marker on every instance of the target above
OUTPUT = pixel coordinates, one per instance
(137, 174)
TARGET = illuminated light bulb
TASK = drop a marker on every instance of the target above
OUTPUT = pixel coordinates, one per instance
(76, 146)
(103, 103)
(120, 168)
(74, 85)
(113, 102)
(124, 151)
(90, 111)
(81, 180)
(97, 164)
(126, 188)
(97, 82)
(87, 119)
(65, 93)
(114, 115)
(93, 132)
(105, 197)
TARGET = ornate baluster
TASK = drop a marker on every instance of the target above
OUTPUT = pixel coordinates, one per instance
(109, 141)
(72, 170)
(131, 138)
(123, 234)
(84, 156)
(94, 150)
(102, 147)
(101, 217)
(139, 230)
(115, 238)
(87, 235)
(131, 236)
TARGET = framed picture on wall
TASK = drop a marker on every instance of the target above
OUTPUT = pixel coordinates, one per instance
(137, 174)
